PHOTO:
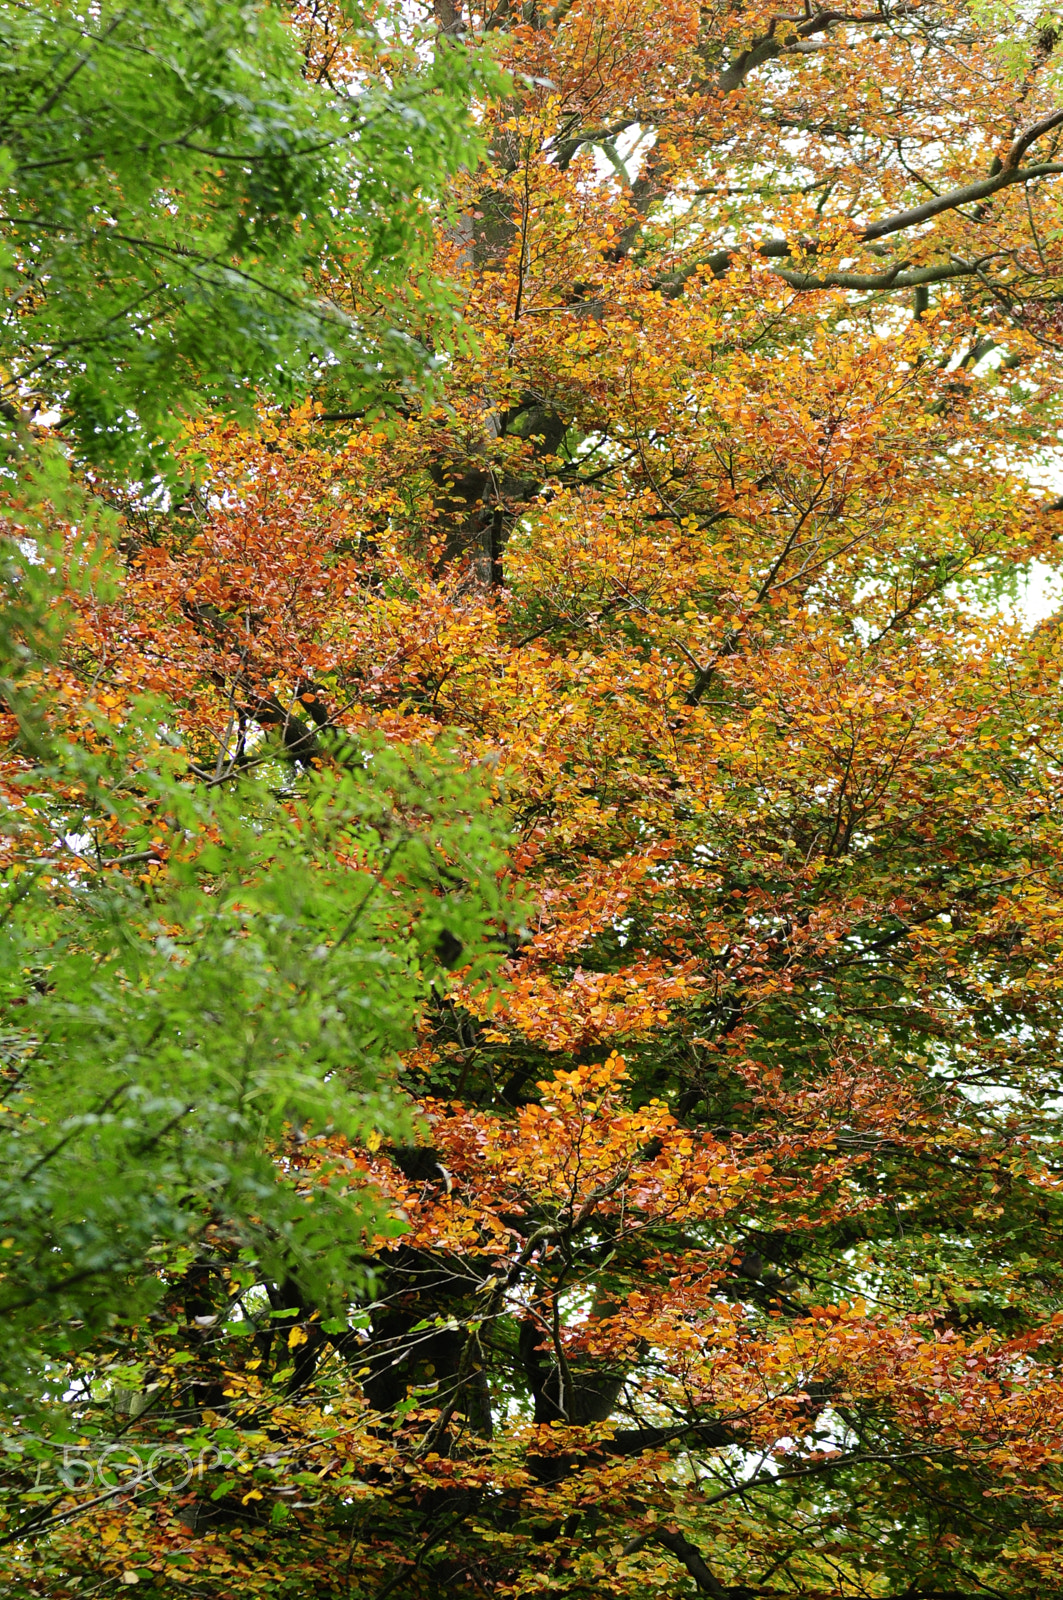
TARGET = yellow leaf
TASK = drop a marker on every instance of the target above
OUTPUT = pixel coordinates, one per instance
(297, 1336)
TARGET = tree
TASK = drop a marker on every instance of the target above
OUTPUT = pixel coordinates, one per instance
(176, 178)
(730, 1260)
(200, 970)
(196, 985)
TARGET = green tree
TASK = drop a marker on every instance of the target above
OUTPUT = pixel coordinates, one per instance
(197, 981)
(204, 204)
(179, 179)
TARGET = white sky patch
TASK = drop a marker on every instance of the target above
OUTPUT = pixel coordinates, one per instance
(1040, 594)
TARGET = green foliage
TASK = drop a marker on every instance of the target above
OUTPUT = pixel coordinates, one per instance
(185, 1013)
(1026, 32)
(173, 183)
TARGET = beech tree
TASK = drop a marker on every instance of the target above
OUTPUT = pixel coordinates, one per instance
(726, 1251)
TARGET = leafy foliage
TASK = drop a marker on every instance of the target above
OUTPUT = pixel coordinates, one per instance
(195, 981)
(176, 183)
(727, 1256)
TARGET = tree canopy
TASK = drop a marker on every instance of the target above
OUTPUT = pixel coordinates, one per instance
(720, 1251)
(199, 206)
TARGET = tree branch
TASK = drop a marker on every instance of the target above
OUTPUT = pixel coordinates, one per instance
(692, 1559)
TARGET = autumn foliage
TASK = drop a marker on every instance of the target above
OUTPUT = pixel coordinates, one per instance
(727, 1260)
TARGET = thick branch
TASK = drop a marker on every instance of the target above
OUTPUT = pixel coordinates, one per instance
(971, 193)
(899, 276)
(684, 1551)
(896, 278)
(1025, 140)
